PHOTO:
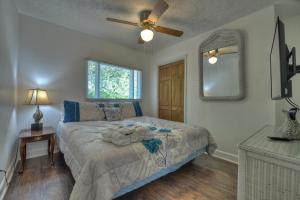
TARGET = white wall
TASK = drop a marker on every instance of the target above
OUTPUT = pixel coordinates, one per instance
(229, 122)
(52, 57)
(8, 85)
(292, 37)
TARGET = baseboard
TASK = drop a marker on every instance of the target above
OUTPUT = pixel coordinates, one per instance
(10, 173)
(233, 158)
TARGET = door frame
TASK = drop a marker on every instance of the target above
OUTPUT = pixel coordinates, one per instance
(170, 61)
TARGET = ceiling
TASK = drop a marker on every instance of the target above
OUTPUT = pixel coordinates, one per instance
(286, 11)
(191, 16)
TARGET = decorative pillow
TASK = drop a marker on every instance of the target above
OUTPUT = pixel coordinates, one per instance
(102, 105)
(127, 110)
(82, 111)
(113, 114)
(137, 108)
(91, 112)
(112, 105)
(71, 111)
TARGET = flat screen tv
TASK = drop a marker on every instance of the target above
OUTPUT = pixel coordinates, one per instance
(282, 65)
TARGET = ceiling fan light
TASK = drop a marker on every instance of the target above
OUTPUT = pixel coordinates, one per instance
(147, 35)
(213, 60)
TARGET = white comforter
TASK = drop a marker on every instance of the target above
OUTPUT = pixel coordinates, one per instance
(106, 168)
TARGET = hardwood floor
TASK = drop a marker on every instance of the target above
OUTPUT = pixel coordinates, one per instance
(206, 179)
(41, 181)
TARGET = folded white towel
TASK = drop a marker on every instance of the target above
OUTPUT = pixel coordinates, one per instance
(126, 130)
(126, 135)
(143, 133)
(107, 135)
(120, 139)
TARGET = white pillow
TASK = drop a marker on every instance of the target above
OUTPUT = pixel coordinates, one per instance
(91, 112)
(127, 110)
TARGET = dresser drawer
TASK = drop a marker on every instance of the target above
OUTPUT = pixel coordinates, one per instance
(268, 170)
(271, 179)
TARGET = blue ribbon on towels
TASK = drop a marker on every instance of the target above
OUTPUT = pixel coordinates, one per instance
(152, 145)
(165, 130)
(152, 128)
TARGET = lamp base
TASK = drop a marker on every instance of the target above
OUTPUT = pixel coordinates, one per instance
(37, 126)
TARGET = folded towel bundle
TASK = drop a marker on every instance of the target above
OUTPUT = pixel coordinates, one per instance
(116, 138)
(126, 130)
(126, 135)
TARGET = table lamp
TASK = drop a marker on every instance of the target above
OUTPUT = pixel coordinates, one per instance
(37, 97)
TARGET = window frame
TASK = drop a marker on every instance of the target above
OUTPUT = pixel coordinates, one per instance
(117, 65)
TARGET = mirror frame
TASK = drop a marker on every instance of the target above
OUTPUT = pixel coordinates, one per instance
(221, 39)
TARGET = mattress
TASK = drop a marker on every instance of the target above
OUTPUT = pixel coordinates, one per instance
(104, 171)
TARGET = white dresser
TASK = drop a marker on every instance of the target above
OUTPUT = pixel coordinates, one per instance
(268, 170)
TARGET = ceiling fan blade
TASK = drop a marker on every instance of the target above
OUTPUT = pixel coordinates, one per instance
(121, 21)
(168, 31)
(141, 41)
(160, 7)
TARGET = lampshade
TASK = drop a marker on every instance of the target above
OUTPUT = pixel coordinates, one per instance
(36, 97)
(147, 35)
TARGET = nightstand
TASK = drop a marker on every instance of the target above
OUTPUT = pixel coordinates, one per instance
(28, 136)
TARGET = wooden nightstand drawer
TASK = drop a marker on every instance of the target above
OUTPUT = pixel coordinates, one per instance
(36, 138)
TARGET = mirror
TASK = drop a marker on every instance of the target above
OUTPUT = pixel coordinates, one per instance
(221, 66)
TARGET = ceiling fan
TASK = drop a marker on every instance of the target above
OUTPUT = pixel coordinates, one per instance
(213, 54)
(148, 20)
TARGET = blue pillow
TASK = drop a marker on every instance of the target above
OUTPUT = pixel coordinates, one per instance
(137, 108)
(72, 111)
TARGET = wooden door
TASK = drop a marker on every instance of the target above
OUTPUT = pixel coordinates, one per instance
(177, 99)
(171, 91)
(165, 92)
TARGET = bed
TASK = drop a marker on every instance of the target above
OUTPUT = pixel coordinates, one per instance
(105, 171)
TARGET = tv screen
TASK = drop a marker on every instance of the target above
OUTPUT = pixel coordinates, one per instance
(281, 86)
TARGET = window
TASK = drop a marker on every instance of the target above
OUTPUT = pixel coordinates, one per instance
(107, 81)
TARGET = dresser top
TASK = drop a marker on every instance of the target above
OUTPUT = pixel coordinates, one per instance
(260, 143)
